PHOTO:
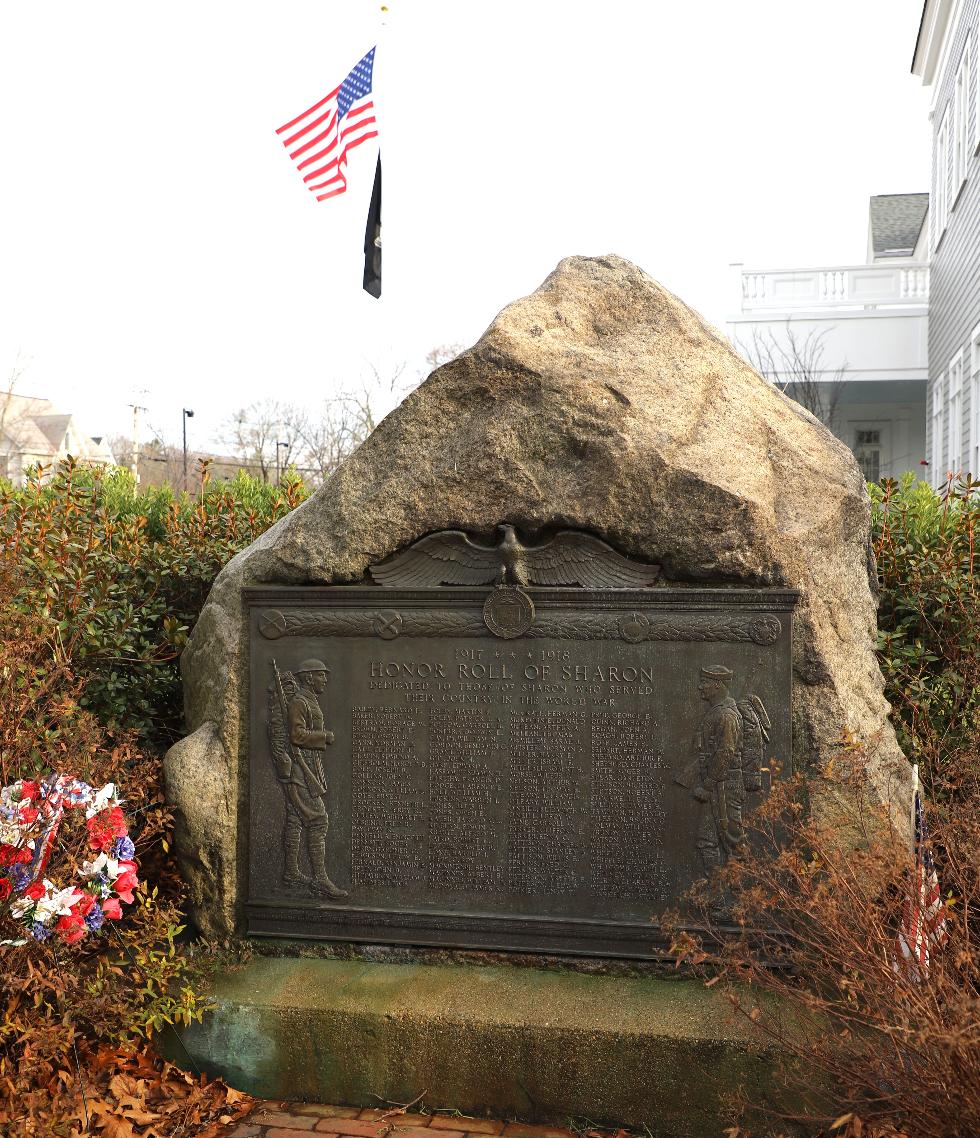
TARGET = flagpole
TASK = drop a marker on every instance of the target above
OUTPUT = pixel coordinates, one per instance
(913, 812)
(372, 232)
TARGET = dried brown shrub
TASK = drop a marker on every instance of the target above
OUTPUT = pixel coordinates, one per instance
(76, 1020)
(809, 954)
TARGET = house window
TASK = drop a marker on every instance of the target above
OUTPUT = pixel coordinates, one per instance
(974, 452)
(954, 418)
(938, 433)
(867, 451)
(961, 116)
(941, 191)
(976, 109)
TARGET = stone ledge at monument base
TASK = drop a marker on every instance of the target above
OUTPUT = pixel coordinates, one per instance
(543, 1046)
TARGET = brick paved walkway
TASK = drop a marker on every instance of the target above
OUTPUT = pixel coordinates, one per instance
(303, 1120)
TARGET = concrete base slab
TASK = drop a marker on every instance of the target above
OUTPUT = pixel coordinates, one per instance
(542, 1046)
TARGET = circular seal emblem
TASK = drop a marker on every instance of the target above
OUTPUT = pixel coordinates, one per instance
(388, 624)
(633, 628)
(508, 611)
(765, 630)
(272, 624)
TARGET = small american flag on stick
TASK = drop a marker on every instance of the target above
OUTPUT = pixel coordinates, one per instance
(923, 925)
(319, 139)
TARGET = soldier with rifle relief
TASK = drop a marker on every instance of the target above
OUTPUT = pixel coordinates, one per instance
(729, 753)
(299, 741)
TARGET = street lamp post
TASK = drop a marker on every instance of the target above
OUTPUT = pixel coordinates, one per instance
(135, 463)
(187, 415)
(278, 464)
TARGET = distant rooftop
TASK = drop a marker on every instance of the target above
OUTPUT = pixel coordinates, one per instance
(896, 221)
(32, 429)
(54, 427)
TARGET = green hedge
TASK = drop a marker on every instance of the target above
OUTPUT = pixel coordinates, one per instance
(929, 621)
(120, 576)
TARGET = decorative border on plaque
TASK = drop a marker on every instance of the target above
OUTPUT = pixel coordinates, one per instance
(763, 630)
(277, 623)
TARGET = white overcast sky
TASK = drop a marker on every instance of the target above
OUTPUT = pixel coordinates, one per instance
(156, 243)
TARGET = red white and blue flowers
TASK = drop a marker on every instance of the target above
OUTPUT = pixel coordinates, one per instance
(31, 812)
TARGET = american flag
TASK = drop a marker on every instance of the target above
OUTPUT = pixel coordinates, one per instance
(923, 925)
(319, 139)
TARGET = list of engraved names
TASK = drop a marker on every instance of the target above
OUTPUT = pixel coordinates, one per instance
(513, 774)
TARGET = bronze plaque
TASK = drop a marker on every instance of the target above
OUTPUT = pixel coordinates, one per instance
(534, 769)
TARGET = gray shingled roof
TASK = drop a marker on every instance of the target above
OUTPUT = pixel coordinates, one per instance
(896, 220)
(55, 427)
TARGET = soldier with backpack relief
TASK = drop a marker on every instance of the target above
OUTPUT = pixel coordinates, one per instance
(729, 755)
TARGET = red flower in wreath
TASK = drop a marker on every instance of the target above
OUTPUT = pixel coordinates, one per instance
(71, 928)
(124, 885)
(83, 904)
(104, 828)
(112, 909)
(14, 855)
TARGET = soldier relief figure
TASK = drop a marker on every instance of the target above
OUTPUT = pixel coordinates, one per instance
(727, 765)
(299, 740)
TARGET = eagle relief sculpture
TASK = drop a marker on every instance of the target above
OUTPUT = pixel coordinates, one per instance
(570, 557)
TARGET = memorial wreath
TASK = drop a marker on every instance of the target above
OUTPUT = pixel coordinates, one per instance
(31, 814)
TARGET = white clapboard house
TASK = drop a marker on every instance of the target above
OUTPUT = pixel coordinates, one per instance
(34, 431)
(849, 342)
(947, 58)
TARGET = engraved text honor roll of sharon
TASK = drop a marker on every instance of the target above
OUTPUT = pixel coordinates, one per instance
(520, 744)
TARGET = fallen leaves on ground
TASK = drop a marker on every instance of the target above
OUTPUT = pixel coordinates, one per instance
(130, 1094)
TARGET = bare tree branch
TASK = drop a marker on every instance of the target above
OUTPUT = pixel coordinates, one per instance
(10, 414)
(442, 354)
(263, 436)
(795, 364)
(319, 441)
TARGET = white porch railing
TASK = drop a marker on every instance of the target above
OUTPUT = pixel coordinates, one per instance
(857, 286)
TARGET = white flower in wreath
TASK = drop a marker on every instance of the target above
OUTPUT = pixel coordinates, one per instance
(11, 834)
(103, 865)
(19, 907)
(55, 902)
(102, 799)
